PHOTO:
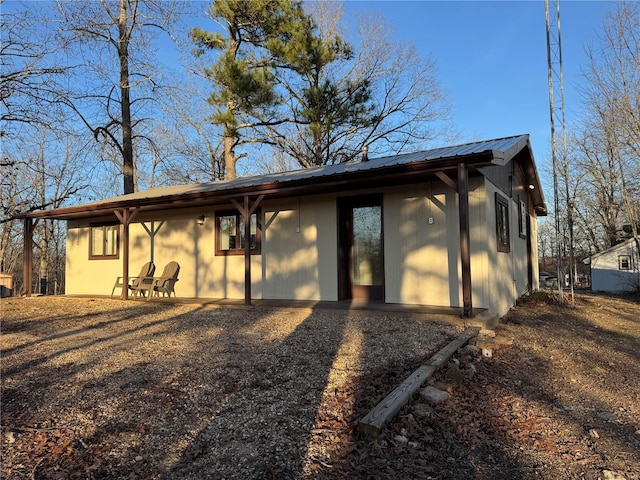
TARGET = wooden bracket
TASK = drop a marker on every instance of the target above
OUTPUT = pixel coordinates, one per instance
(447, 180)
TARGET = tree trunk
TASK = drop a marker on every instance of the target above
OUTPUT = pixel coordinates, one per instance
(229, 152)
(128, 166)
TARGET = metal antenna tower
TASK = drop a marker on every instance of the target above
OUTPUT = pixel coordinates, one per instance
(558, 134)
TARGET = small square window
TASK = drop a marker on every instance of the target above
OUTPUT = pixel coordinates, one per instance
(624, 262)
(230, 234)
(502, 224)
(104, 242)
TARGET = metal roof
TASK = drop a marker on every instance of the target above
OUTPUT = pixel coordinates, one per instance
(498, 148)
(620, 245)
(488, 152)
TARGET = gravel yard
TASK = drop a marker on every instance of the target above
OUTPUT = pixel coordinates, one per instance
(95, 389)
(100, 388)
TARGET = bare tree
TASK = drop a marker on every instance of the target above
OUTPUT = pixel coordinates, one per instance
(197, 149)
(39, 176)
(115, 36)
(383, 97)
(28, 82)
(610, 138)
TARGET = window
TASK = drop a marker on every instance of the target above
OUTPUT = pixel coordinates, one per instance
(104, 242)
(522, 219)
(502, 224)
(230, 233)
(624, 262)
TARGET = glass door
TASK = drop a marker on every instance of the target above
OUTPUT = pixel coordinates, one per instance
(361, 251)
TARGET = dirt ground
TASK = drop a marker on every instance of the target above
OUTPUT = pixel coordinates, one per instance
(98, 388)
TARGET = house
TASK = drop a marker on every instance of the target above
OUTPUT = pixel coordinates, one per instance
(6, 285)
(453, 227)
(616, 269)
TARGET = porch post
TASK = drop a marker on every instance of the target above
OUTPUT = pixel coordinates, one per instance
(125, 216)
(465, 247)
(247, 252)
(27, 257)
(247, 210)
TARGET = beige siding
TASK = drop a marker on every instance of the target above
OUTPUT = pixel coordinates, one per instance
(202, 273)
(534, 252)
(419, 266)
(509, 275)
(84, 276)
(299, 257)
(481, 270)
(422, 258)
(179, 239)
(300, 249)
(297, 265)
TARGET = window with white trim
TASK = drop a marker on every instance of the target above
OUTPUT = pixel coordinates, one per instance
(624, 262)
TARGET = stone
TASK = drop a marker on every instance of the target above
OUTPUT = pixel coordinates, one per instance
(401, 439)
(606, 416)
(453, 373)
(422, 410)
(487, 352)
(611, 475)
(472, 349)
(433, 396)
(593, 433)
(10, 437)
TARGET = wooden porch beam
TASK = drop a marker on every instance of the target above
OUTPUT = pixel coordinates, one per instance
(247, 209)
(27, 257)
(465, 244)
(447, 180)
(126, 216)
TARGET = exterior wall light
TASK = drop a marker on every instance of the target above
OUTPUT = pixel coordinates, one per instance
(201, 220)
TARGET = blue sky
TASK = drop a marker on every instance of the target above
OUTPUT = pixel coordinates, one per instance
(492, 60)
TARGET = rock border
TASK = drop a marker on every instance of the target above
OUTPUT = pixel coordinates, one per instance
(374, 421)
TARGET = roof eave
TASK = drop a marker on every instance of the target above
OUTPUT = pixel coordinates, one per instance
(295, 187)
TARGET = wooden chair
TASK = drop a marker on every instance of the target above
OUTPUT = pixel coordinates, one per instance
(147, 271)
(166, 282)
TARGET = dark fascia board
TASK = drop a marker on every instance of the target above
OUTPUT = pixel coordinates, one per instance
(503, 157)
(348, 181)
(529, 166)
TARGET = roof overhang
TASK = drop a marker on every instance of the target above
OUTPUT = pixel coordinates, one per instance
(333, 179)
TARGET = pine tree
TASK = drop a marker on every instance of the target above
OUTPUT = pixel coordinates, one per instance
(243, 73)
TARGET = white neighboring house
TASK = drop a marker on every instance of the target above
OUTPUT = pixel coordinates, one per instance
(616, 269)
